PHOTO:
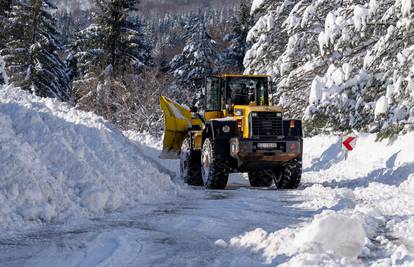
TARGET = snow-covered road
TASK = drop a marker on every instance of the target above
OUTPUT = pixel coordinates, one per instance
(173, 234)
(333, 219)
(346, 213)
(75, 191)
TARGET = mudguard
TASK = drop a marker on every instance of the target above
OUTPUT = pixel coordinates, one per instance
(216, 129)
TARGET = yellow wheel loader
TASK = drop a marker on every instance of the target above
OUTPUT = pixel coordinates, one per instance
(235, 131)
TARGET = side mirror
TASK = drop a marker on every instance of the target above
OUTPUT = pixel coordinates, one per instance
(195, 128)
(194, 109)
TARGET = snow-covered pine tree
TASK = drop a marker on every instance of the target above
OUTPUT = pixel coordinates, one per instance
(109, 55)
(198, 58)
(231, 59)
(286, 47)
(5, 6)
(66, 24)
(301, 61)
(369, 83)
(30, 49)
(115, 38)
(350, 61)
(267, 35)
(3, 77)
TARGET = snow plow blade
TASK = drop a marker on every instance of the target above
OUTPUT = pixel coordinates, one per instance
(177, 121)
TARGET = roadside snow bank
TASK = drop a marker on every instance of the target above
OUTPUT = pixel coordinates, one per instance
(329, 232)
(340, 234)
(152, 146)
(57, 162)
(363, 207)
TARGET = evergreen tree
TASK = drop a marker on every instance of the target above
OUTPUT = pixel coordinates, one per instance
(3, 78)
(5, 6)
(343, 64)
(109, 56)
(67, 26)
(198, 58)
(30, 49)
(369, 84)
(233, 56)
(115, 38)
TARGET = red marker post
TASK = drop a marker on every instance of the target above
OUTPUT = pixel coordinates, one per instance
(348, 144)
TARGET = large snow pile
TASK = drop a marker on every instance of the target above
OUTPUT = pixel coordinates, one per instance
(363, 208)
(57, 162)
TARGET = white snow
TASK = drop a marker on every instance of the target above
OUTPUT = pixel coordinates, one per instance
(361, 15)
(308, 14)
(381, 107)
(368, 196)
(334, 26)
(373, 7)
(406, 7)
(343, 235)
(3, 71)
(347, 69)
(256, 4)
(316, 91)
(347, 212)
(176, 111)
(58, 163)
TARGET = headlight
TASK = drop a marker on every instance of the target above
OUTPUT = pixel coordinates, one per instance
(254, 114)
(279, 115)
(238, 112)
(226, 129)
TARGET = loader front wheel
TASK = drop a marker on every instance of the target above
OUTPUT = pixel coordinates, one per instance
(263, 178)
(190, 168)
(289, 175)
(214, 171)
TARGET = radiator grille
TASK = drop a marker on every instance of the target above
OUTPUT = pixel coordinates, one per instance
(266, 125)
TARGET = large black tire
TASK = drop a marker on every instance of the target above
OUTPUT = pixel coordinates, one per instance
(289, 175)
(190, 168)
(262, 178)
(214, 171)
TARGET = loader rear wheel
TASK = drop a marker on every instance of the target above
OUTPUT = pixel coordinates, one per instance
(214, 171)
(190, 168)
(263, 178)
(289, 175)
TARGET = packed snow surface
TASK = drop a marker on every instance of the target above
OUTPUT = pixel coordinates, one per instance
(342, 235)
(364, 205)
(58, 163)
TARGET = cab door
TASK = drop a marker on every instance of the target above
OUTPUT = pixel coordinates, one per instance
(212, 99)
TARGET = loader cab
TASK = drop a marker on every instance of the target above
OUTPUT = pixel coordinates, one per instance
(224, 92)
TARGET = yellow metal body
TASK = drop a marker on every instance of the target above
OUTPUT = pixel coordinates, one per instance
(179, 120)
(246, 110)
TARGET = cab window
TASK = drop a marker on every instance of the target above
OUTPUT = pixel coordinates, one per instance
(212, 94)
(243, 91)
